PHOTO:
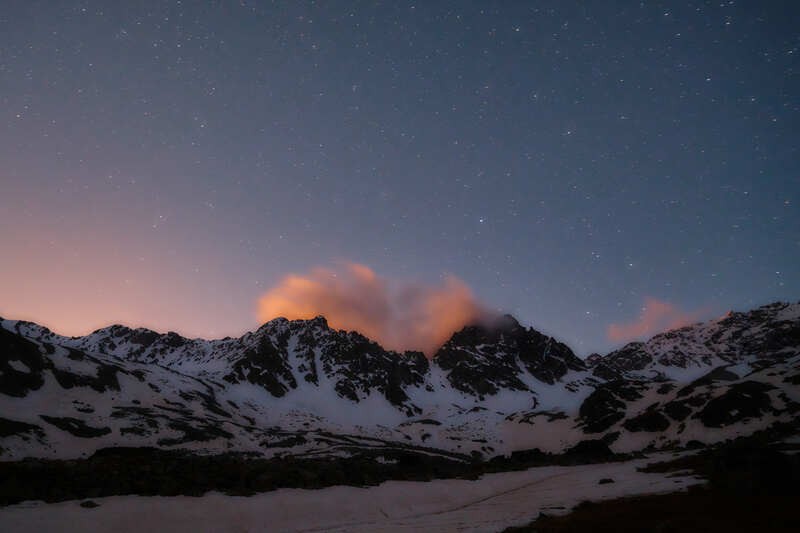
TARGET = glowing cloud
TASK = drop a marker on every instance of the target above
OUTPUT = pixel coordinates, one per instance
(656, 316)
(399, 315)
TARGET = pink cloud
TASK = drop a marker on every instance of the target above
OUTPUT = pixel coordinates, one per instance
(401, 315)
(656, 316)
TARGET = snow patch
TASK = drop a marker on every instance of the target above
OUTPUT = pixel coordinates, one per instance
(492, 503)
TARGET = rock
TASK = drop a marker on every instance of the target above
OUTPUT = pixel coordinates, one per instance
(651, 420)
(606, 405)
(748, 399)
(75, 426)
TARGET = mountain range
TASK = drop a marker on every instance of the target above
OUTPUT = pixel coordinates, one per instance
(301, 388)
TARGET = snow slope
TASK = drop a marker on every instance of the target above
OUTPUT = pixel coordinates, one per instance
(302, 388)
(492, 503)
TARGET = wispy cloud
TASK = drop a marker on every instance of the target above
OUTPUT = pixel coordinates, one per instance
(656, 316)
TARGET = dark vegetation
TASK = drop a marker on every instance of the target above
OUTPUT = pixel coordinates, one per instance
(152, 471)
(749, 465)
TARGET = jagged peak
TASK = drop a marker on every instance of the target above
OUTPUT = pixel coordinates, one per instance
(277, 322)
(593, 359)
(765, 331)
(504, 322)
(489, 327)
(320, 321)
(492, 330)
(114, 330)
(280, 322)
(33, 328)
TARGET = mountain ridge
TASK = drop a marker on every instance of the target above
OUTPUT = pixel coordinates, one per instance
(289, 385)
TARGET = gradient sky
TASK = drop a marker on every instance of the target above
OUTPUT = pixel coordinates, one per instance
(167, 163)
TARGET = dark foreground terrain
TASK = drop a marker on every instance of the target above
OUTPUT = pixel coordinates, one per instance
(760, 471)
(697, 510)
(751, 487)
(156, 472)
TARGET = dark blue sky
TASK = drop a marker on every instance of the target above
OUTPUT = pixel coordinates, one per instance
(165, 163)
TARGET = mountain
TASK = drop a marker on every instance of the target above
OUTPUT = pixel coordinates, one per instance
(301, 388)
(767, 334)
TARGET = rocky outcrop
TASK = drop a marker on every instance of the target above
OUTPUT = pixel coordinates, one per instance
(482, 360)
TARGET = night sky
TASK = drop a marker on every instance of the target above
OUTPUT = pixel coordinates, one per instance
(590, 167)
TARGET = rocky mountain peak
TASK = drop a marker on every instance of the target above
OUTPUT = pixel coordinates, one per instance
(273, 388)
(483, 359)
(767, 332)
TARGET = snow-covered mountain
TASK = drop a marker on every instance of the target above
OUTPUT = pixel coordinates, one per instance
(767, 334)
(302, 388)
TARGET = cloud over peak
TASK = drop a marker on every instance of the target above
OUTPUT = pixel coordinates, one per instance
(400, 315)
(656, 316)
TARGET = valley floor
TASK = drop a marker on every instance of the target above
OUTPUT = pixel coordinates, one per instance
(492, 503)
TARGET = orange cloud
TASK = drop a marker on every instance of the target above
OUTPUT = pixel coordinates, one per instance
(656, 316)
(399, 315)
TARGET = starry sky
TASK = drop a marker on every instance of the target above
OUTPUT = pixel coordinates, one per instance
(584, 166)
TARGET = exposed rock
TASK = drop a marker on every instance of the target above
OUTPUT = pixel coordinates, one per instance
(75, 426)
(266, 366)
(9, 428)
(606, 405)
(748, 399)
(21, 365)
(485, 388)
(482, 360)
(632, 356)
(651, 420)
